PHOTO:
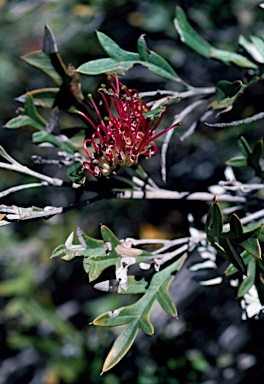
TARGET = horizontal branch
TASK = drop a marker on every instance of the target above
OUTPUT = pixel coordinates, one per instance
(164, 194)
(184, 94)
(247, 120)
(21, 187)
(23, 169)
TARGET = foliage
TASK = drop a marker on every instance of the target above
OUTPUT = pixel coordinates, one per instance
(130, 268)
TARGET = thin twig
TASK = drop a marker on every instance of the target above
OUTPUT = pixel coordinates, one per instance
(21, 187)
(23, 169)
(166, 194)
(247, 120)
(191, 92)
(179, 117)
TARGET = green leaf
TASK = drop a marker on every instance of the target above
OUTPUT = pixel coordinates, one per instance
(76, 173)
(226, 89)
(31, 111)
(228, 57)
(137, 315)
(235, 257)
(189, 36)
(157, 111)
(257, 153)
(255, 48)
(156, 63)
(193, 40)
(252, 246)
(23, 121)
(237, 162)
(99, 66)
(121, 60)
(121, 346)
(228, 241)
(249, 281)
(214, 222)
(95, 265)
(46, 137)
(40, 60)
(135, 286)
(244, 146)
(113, 50)
(231, 269)
(236, 227)
(108, 235)
(44, 97)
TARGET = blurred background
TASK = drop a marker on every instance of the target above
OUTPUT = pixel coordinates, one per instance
(47, 304)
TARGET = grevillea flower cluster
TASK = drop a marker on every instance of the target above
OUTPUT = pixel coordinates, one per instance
(124, 134)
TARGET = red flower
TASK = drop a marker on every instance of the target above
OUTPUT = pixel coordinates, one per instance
(124, 134)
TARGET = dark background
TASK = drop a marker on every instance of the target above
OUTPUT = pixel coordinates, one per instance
(47, 304)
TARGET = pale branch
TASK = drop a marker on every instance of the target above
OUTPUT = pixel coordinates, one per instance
(247, 120)
(23, 169)
(252, 217)
(177, 118)
(21, 187)
(234, 185)
(166, 194)
(14, 213)
(184, 94)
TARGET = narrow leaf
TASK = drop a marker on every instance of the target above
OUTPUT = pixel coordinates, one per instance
(113, 49)
(23, 121)
(244, 146)
(235, 258)
(257, 153)
(121, 346)
(191, 38)
(249, 281)
(237, 162)
(45, 137)
(214, 222)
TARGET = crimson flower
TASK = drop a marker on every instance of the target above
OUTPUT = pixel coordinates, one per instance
(122, 136)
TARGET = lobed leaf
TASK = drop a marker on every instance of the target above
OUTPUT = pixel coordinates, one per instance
(137, 315)
(226, 89)
(121, 60)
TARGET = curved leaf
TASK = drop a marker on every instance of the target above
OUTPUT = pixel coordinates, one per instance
(190, 37)
(121, 346)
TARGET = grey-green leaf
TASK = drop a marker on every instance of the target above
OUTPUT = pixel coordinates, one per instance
(192, 39)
